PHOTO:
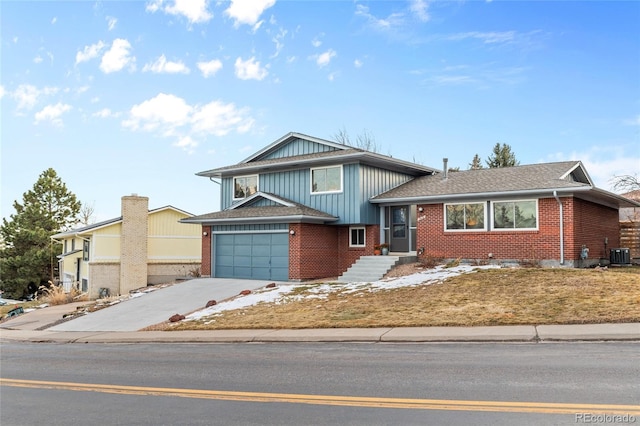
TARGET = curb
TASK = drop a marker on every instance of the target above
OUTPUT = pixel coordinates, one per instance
(496, 334)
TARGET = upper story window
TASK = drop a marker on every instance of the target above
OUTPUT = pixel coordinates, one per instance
(465, 217)
(515, 214)
(326, 179)
(85, 250)
(243, 186)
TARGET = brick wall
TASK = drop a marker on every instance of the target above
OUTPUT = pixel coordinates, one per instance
(322, 251)
(104, 275)
(585, 223)
(594, 223)
(133, 243)
(313, 251)
(159, 273)
(206, 252)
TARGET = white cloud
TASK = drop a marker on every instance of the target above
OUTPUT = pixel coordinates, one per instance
(420, 9)
(217, 118)
(164, 113)
(357, 63)
(171, 116)
(105, 113)
(28, 95)
(316, 42)
(111, 22)
(162, 66)
(381, 24)
(492, 37)
(117, 57)
(90, 52)
(250, 69)
(54, 20)
(278, 40)
(248, 11)
(37, 59)
(209, 68)
(52, 113)
(324, 59)
(195, 11)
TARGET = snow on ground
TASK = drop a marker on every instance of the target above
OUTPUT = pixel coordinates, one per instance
(281, 294)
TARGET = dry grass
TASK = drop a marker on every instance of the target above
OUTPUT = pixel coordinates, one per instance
(488, 297)
(55, 295)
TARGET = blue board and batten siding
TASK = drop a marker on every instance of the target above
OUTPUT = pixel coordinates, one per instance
(351, 206)
(297, 147)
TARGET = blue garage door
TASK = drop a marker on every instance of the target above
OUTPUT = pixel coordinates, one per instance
(252, 256)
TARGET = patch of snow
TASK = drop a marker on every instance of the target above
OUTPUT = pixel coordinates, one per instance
(281, 294)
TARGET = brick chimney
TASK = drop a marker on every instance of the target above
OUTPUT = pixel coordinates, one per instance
(133, 243)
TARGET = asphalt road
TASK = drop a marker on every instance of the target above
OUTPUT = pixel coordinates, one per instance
(318, 384)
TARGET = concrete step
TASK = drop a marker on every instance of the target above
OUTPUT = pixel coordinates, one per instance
(369, 268)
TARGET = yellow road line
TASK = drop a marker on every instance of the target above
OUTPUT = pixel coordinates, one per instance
(352, 401)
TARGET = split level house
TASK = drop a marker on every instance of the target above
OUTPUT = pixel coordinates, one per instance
(304, 208)
(139, 248)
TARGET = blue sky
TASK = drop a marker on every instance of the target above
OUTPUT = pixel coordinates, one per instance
(123, 97)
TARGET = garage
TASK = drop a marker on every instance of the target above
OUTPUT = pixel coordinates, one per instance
(259, 256)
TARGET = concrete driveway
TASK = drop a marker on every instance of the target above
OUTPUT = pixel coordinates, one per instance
(157, 306)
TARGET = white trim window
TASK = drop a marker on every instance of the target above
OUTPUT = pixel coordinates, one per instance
(465, 217)
(515, 215)
(357, 236)
(326, 179)
(243, 186)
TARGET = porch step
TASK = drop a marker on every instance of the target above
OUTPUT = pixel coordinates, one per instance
(369, 268)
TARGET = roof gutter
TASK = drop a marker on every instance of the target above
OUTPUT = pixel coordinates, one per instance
(555, 195)
(469, 196)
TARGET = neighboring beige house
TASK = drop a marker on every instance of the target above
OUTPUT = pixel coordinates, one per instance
(139, 248)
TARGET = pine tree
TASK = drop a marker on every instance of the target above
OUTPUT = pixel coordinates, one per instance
(502, 157)
(476, 163)
(28, 257)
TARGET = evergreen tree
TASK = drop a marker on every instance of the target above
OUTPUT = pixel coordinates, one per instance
(476, 163)
(502, 157)
(28, 257)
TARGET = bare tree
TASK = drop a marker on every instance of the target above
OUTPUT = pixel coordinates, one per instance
(625, 183)
(86, 213)
(364, 140)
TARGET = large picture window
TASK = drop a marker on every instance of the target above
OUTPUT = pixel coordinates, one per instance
(515, 214)
(469, 216)
(326, 179)
(244, 186)
(357, 237)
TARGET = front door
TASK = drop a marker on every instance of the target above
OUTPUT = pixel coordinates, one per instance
(399, 228)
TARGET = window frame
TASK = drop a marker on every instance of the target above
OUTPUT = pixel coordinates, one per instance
(364, 236)
(333, 191)
(514, 228)
(465, 229)
(86, 249)
(233, 185)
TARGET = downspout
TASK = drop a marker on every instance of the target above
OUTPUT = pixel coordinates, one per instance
(555, 194)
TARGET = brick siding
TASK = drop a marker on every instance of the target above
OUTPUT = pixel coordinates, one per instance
(584, 223)
(206, 252)
(133, 243)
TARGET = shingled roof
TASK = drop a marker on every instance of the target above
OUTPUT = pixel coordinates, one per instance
(567, 177)
(284, 211)
(339, 154)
